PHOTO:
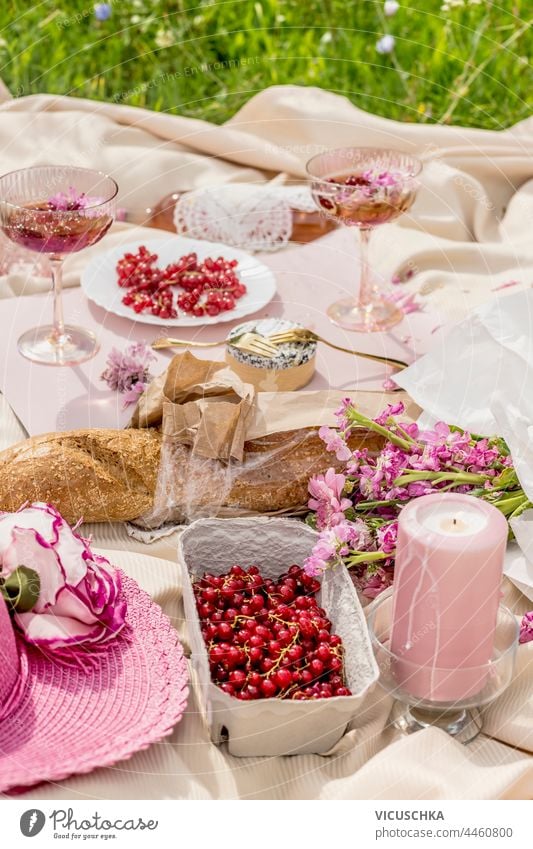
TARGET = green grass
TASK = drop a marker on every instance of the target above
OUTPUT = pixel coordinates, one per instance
(468, 65)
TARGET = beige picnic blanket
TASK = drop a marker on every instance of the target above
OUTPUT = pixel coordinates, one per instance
(468, 236)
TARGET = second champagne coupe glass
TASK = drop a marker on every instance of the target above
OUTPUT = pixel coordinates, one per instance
(57, 210)
(364, 187)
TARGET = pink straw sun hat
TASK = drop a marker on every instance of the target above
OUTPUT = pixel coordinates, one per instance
(60, 717)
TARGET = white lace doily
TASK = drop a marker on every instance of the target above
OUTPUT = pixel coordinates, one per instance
(252, 217)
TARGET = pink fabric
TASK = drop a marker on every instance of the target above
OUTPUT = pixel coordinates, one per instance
(308, 279)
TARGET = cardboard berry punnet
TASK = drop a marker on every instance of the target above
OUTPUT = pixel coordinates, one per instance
(274, 726)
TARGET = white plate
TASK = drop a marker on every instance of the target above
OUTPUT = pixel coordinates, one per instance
(99, 279)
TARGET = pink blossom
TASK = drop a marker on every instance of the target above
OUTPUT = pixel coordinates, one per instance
(128, 371)
(335, 443)
(406, 301)
(327, 500)
(411, 429)
(133, 394)
(79, 596)
(373, 582)
(71, 200)
(408, 466)
(418, 488)
(314, 566)
(390, 410)
(526, 628)
(356, 533)
(386, 536)
(338, 541)
(377, 583)
(340, 414)
(443, 435)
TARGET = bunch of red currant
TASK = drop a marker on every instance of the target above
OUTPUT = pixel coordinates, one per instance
(269, 638)
(209, 287)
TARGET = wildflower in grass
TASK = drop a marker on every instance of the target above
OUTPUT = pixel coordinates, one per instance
(385, 44)
(102, 11)
(164, 38)
(390, 7)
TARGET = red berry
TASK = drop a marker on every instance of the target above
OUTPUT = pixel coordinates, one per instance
(238, 678)
(283, 678)
(225, 631)
(317, 667)
(268, 688)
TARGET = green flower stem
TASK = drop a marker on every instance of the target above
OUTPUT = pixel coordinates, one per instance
(519, 510)
(440, 477)
(369, 505)
(370, 424)
(367, 557)
(509, 505)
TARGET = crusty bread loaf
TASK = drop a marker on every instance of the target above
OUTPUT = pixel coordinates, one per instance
(273, 477)
(97, 475)
(277, 468)
(111, 475)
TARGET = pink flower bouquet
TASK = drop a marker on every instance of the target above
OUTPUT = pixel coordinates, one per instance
(356, 512)
(61, 594)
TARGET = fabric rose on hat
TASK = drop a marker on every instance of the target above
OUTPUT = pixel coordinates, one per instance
(62, 594)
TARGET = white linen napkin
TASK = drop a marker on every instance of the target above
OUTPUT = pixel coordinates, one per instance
(480, 374)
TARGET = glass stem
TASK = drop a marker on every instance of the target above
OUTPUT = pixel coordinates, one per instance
(58, 333)
(365, 285)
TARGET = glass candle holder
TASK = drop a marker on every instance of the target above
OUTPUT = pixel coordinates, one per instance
(461, 718)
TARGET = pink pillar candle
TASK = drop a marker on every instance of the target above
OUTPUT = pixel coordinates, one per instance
(449, 563)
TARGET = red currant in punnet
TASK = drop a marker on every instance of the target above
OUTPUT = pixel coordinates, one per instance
(268, 638)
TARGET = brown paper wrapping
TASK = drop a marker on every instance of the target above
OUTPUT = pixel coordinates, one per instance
(231, 451)
(199, 403)
(205, 401)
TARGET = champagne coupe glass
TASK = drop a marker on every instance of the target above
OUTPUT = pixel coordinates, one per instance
(57, 210)
(363, 187)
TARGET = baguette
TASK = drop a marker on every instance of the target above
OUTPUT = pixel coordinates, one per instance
(96, 475)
